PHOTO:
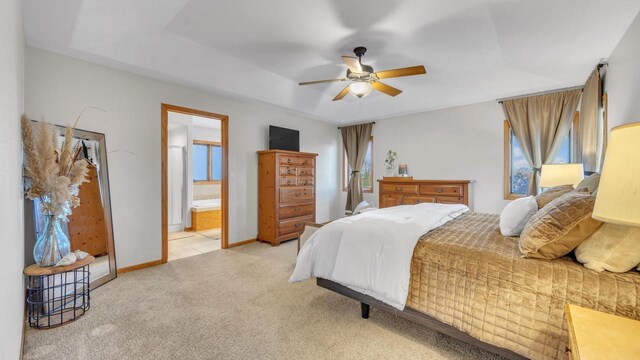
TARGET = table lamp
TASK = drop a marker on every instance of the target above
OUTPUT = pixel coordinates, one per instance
(618, 194)
(561, 174)
(618, 200)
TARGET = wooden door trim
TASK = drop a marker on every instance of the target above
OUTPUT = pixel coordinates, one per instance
(224, 119)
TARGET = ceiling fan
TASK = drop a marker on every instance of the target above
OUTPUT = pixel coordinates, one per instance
(363, 79)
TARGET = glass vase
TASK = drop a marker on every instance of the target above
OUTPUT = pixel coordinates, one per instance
(52, 244)
(391, 171)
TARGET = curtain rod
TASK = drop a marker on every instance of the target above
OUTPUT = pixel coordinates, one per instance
(340, 127)
(541, 93)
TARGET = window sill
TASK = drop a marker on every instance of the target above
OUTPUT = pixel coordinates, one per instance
(513, 196)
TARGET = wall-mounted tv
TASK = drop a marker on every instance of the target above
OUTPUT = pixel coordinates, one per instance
(283, 139)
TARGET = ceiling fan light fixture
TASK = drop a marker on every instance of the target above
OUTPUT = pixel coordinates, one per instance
(360, 89)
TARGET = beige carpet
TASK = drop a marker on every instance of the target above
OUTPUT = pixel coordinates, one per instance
(235, 304)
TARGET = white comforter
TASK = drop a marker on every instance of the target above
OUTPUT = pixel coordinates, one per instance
(371, 252)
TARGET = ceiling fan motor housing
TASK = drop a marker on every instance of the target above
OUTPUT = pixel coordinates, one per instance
(366, 71)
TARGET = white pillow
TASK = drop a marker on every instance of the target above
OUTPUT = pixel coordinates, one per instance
(613, 248)
(516, 215)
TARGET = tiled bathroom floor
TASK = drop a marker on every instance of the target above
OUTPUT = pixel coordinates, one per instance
(185, 244)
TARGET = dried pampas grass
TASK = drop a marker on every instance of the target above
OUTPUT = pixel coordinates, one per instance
(53, 174)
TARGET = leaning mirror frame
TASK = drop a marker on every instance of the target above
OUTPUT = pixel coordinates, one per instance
(105, 195)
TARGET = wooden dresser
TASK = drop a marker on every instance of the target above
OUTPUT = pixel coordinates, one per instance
(406, 191)
(286, 194)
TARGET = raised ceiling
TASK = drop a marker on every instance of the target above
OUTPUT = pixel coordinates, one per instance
(474, 50)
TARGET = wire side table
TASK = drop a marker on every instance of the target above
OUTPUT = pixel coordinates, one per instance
(59, 294)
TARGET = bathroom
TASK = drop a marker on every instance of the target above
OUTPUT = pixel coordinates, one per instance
(194, 184)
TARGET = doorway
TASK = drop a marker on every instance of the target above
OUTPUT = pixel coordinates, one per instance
(194, 182)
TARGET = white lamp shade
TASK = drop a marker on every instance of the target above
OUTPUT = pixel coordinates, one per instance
(561, 174)
(618, 200)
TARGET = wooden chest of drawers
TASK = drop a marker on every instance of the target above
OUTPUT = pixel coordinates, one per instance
(406, 191)
(286, 194)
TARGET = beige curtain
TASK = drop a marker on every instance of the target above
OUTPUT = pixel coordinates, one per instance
(589, 151)
(540, 123)
(356, 140)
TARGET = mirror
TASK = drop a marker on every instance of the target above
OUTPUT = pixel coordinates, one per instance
(90, 227)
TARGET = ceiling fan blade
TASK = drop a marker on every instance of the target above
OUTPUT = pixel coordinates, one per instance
(353, 63)
(322, 81)
(342, 93)
(382, 87)
(408, 71)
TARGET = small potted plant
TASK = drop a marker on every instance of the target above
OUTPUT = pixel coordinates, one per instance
(389, 162)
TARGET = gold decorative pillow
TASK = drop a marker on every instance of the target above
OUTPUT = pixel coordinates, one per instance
(552, 193)
(559, 227)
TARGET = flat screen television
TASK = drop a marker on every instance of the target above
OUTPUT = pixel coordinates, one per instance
(283, 139)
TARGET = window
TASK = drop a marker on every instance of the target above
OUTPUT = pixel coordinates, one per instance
(207, 161)
(516, 167)
(366, 173)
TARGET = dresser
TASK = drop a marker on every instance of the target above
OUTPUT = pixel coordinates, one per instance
(286, 194)
(407, 191)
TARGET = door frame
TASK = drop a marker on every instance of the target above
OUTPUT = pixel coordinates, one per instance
(224, 131)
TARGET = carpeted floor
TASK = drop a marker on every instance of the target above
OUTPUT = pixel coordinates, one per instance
(235, 304)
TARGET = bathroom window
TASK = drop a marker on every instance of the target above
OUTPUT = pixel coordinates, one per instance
(207, 161)
(216, 162)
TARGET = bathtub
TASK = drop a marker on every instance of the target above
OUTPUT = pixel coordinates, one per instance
(205, 205)
(206, 214)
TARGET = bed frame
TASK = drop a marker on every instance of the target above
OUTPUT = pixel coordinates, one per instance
(414, 316)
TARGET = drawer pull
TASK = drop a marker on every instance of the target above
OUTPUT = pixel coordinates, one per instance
(298, 225)
(305, 162)
(398, 188)
(289, 161)
(288, 171)
(288, 182)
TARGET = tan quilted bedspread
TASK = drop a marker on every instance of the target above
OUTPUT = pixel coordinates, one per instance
(466, 274)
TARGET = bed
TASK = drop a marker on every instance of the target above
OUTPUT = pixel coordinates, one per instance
(470, 282)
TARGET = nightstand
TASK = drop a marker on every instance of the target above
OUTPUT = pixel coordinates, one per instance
(597, 335)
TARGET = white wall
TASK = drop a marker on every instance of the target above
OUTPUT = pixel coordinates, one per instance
(206, 134)
(59, 87)
(622, 79)
(461, 143)
(178, 136)
(11, 213)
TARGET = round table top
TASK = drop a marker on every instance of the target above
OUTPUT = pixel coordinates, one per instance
(35, 270)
